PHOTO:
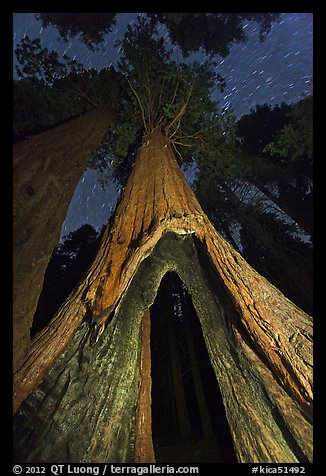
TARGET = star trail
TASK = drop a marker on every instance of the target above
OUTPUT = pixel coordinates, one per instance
(274, 71)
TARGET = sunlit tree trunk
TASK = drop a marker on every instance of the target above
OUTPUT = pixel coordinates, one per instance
(228, 234)
(259, 342)
(144, 451)
(47, 169)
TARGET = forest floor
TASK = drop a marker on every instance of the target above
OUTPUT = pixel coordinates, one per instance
(191, 451)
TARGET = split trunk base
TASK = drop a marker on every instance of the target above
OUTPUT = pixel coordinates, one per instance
(94, 403)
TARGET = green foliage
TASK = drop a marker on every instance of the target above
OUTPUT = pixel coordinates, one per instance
(97, 87)
(37, 107)
(38, 62)
(213, 32)
(270, 243)
(276, 145)
(54, 90)
(294, 146)
(116, 154)
(261, 126)
(91, 26)
(218, 158)
(157, 90)
(42, 98)
(92, 86)
(289, 266)
(295, 140)
(161, 93)
(177, 98)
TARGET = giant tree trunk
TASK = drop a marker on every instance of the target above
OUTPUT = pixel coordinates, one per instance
(258, 341)
(47, 169)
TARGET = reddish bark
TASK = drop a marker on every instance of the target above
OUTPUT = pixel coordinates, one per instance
(47, 169)
(157, 199)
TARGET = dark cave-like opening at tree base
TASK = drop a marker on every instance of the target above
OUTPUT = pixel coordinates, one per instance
(188, 417)
(99, 391)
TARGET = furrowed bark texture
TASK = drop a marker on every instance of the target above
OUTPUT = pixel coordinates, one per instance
(291, 270)
(258, 341)
(47, 169)
(144, 451)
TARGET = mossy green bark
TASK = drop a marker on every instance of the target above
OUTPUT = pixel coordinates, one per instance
(84, 410)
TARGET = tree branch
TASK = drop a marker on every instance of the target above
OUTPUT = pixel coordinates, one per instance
(181, 143)
(159, 101)
(140, 105)
(175, 92)
(149, 105)
(195, 135)
(176, 150)
(181, 113)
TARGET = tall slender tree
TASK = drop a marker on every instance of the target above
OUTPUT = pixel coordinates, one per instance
(86, 363)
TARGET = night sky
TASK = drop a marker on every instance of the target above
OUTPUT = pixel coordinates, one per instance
(277, 70)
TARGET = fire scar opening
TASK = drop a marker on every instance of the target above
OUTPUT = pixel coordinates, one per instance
(102, 391)
(188, 417)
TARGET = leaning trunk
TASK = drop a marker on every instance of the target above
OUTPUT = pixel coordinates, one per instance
(293, 208)
(258, 341)
(47, 169)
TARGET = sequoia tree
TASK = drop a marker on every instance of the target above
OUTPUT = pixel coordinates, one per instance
(47, 168)
(83, 391)
(44, 183)
(43, 190)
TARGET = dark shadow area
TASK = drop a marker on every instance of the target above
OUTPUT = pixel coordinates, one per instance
(188, 417)
(68, 264)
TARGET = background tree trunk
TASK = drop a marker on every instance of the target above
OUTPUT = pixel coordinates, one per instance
(179, 391)
(200, 394)
(47, 169)
(291, 271)
(259, 342)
